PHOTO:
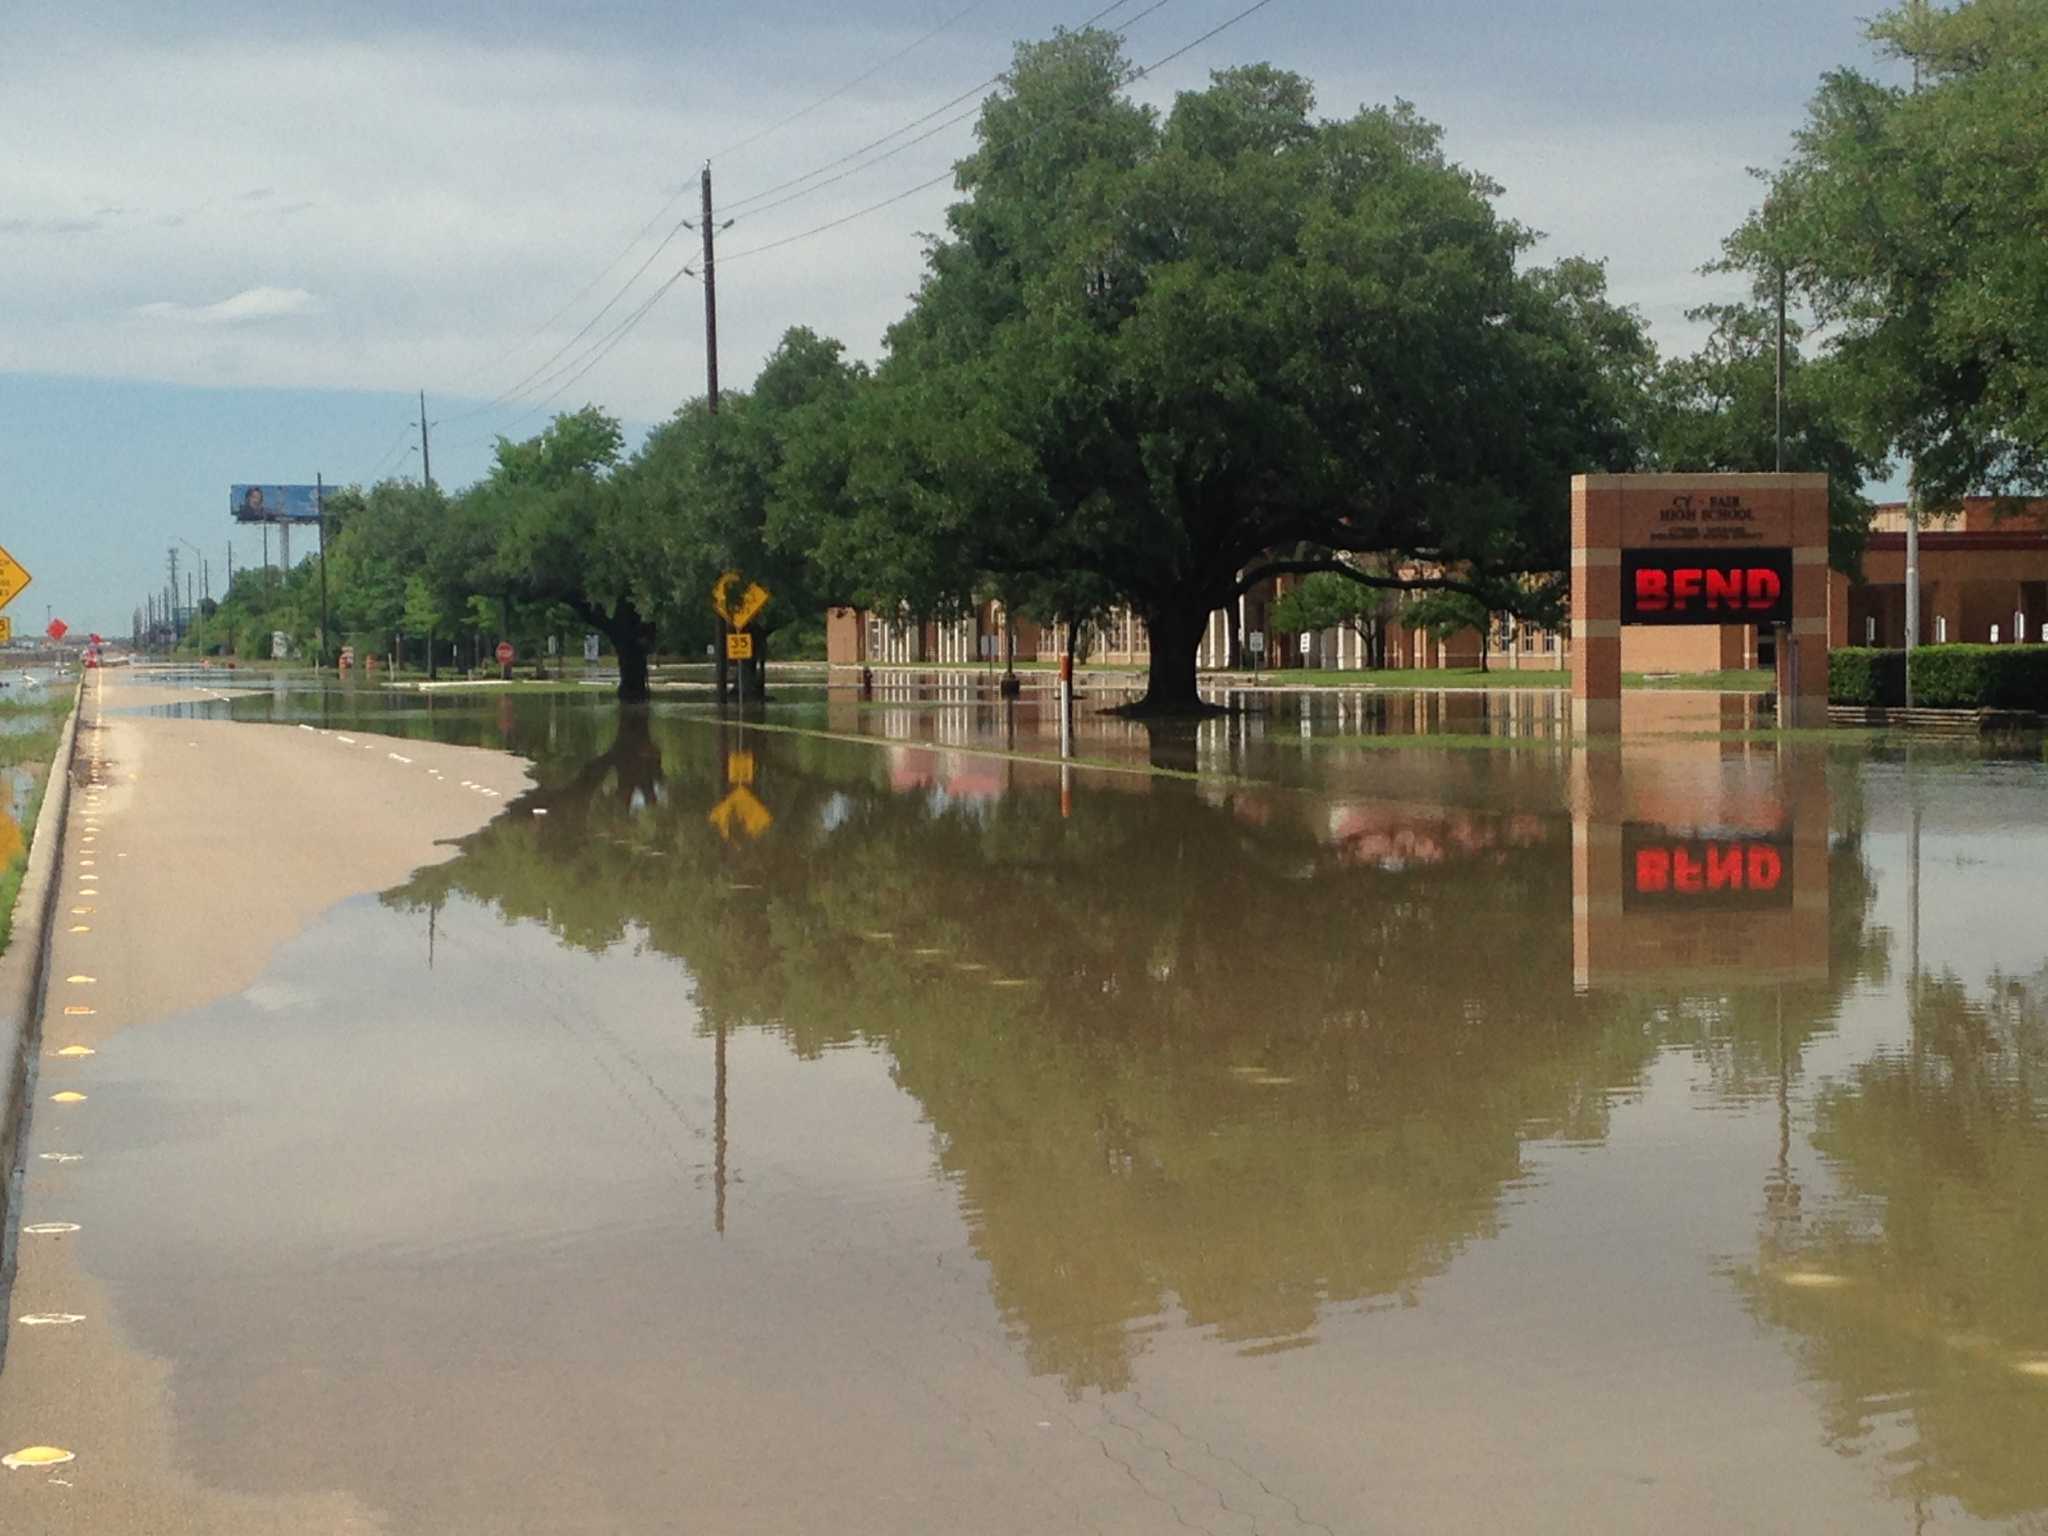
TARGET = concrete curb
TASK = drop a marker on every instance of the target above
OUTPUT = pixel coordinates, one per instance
(22, 973)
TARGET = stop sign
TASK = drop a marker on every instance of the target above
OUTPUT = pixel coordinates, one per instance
(505, 653)
(58, 629)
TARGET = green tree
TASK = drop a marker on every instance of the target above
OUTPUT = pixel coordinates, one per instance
(1156, 350)
(1325, 600)
(1910, 220)
(549, 526)
(1717, 410)
(1440, 615)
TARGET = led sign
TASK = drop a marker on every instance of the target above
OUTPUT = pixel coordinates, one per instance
(1699, 586)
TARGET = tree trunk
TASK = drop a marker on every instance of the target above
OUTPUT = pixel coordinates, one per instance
(1235, 660)
(1176, 635)
(632, 649)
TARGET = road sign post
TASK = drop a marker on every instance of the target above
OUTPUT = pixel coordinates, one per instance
(505, 655)
(735, 613)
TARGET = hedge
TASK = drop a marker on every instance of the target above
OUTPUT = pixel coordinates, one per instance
(1861, 675)
(1944, 677)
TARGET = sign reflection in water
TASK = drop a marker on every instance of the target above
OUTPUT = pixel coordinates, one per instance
(1699, 864)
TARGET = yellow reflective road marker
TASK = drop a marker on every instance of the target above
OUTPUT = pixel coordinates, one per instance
(52, 1228)
(81, 927)
(61, 1157)
(78, 1010)
(50, 1319)
(82, 981)
(82, 911)
(1812, 1279)
(36, 1456)
(68, 1096)
(78, 1050)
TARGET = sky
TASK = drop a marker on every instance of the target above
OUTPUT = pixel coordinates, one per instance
(238, 239)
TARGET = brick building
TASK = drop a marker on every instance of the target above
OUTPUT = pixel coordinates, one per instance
(1983, 578)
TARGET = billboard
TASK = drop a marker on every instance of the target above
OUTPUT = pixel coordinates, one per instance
(274, 503)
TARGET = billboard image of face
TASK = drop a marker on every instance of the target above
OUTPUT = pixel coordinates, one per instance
(274, 503)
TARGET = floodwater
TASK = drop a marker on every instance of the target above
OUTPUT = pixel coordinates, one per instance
(1366, 1114)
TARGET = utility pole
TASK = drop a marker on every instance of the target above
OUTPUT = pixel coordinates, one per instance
(174, 593)
(710, 303)
(426, 450)
(320, 507)
(1781, 370)
(721, 667)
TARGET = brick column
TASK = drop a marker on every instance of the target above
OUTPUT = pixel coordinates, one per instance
(1808, 706)
(1596, 606)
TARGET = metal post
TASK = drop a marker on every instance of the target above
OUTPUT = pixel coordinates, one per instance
(1912, 580)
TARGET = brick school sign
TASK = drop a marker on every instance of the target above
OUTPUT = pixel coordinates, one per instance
(1699, 550)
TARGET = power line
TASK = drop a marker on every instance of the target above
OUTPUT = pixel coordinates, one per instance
(917, 122)
(929, 133)
(667, 207)
(603, 348)
(857, 80)
(1131, 77)
(506, 396)
(384, 458)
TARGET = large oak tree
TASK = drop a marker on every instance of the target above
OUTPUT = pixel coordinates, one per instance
(1178, 354)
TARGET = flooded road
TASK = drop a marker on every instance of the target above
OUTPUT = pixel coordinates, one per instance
(1370, 1114)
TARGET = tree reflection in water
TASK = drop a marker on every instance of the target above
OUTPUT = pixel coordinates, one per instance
(1207, 1050)
(1919, 1298)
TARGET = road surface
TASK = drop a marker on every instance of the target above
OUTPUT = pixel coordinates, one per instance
(195, 848)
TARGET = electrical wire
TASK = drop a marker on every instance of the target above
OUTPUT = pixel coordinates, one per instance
(929, 133)
(858, 80)
(603, 348)
(384, 458)
(669, 206)
(732, 206)
(510, 394)
(1131, 77)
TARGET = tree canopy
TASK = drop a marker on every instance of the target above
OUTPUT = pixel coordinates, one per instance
(1153, 349)
(1909, 218)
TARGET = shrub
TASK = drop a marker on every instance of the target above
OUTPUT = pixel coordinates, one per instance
(1981, 677)
(1864, 675)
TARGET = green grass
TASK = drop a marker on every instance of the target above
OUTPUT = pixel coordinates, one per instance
(31, 749)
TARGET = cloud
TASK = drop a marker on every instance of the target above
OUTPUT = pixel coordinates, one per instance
(252, 306)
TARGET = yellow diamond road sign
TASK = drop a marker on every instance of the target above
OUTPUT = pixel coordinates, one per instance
(738, 613)
(6, 631)
(13, 579)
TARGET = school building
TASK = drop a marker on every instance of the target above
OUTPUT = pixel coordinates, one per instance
(1983, 580)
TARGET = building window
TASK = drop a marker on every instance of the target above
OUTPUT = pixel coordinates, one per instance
(1941, 630)
(1870, 630)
